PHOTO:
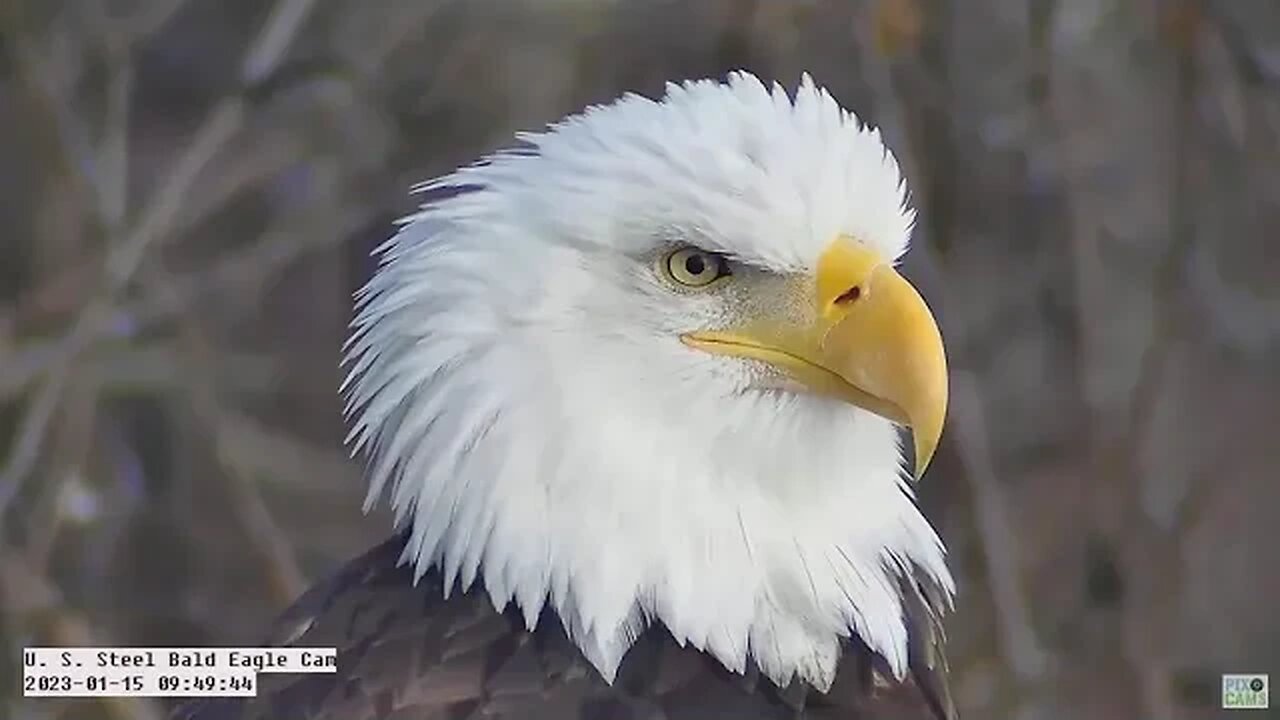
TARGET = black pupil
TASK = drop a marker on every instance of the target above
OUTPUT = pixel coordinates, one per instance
(695, 265)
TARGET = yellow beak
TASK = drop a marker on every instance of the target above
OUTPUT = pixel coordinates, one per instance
(869, 340)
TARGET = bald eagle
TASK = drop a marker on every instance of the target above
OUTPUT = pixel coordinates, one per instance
(634, 390)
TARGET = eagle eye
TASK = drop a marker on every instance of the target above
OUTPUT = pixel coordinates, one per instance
(694, 268)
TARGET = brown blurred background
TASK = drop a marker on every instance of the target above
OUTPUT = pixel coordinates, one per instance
(189, 190)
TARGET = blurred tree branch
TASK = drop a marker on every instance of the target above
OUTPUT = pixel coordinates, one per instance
(1018, 639)
(25, 594)
(1250, 67)
(283, 575)
(154, 222)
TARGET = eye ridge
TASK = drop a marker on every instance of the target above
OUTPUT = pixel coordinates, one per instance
(693, 267)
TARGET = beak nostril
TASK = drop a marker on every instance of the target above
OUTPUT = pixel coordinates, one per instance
(849, 296)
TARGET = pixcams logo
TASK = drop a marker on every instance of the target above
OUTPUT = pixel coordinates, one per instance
(1245, 692)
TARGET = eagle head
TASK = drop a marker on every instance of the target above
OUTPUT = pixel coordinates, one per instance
(651, 365)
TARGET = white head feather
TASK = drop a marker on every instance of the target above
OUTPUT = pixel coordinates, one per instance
(517, 377)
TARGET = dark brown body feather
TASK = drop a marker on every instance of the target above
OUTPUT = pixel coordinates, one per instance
(405, 653)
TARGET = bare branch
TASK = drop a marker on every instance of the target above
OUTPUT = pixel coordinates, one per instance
(286, 243)
(42, 78)
(281, 566)
(262, 450)
(144, 22)
(1020, 645)
(412, 17)
(155, 221)
(268, 50)
(114, 155)
(31, 432)
(27, 595)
